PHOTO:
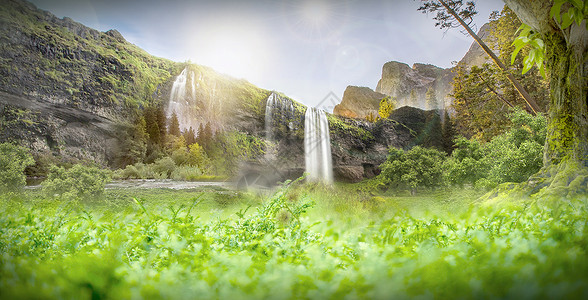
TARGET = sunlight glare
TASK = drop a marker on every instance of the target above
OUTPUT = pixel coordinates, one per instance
(235, 48)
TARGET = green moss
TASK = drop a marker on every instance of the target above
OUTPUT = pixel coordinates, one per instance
(341, 127)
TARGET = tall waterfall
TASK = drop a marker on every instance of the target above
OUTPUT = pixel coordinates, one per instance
(317, 146)
(277, 110)
(181, 100)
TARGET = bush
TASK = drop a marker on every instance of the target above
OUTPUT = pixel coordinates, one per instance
(186, 173)
(465, 165)
(164, 166)
(418, 167)
(13, 161)
(510, 157)
(77, 182)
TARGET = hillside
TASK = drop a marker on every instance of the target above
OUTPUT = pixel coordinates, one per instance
(65, 88)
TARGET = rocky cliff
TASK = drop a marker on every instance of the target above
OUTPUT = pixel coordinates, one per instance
(422, 86)
(358, 102)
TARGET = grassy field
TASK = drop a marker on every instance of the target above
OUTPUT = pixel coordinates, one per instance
(302, 242)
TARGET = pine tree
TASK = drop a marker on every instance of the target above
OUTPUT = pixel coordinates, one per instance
(448, 134)
(199, 134)
(161, 123)
(190, 136)
(174, 125)
(152, 126)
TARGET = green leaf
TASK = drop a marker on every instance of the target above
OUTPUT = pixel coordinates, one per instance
(579, 17)
(577, 3)
(527, 65)
(555, 10)
(567, 18)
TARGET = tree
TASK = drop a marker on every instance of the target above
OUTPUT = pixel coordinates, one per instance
(13, 161)
(133, 142)
(450, 14)
(418, 167)
(77, 182)
(448, 133)
(386, 107)
(174, 125)
(484, 95)
(190, 136)
(151, 125)
(478, 112)
(565, 46)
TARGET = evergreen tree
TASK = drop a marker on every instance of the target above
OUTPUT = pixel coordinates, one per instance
(174, 125)
(133, 139)
(199, 134)
(161, 122)
(448, 134)
(190, 136)
(484, 95)
(152, 126)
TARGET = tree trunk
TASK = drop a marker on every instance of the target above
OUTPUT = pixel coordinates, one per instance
(567, 131)
(566, 147)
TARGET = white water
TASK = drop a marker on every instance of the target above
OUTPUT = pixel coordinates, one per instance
(181, 100)
(317, 146)
(277, 109)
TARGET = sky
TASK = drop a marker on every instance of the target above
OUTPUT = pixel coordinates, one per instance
(309, 50)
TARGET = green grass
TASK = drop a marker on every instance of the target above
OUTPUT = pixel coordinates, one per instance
(205, 244)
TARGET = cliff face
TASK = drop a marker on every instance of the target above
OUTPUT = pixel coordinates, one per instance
(422, 86)
(358, 102)
(409, 86)
(359, 147)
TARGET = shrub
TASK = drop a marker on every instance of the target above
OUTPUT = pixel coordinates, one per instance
(13, 161)
(418, 167)
(186, 173)
(510, 157)
(465, 165)
(164, 166)
(77, 182)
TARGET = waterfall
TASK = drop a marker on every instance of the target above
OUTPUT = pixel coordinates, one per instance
(269, 107)
(277, 110)
(317, 146)
(182, 100)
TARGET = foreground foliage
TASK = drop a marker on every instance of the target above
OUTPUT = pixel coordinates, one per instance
(57, 250)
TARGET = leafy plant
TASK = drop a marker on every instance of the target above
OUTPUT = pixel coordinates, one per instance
(77, 182)
(417, 167)
(576, 12)
(13, 161)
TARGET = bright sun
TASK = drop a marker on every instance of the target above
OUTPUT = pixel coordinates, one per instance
(235, 48)
(314, 20)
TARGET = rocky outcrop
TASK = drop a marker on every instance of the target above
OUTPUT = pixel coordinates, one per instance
(359, 147)
(358, 102)
(476, 55)
(409, 85)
